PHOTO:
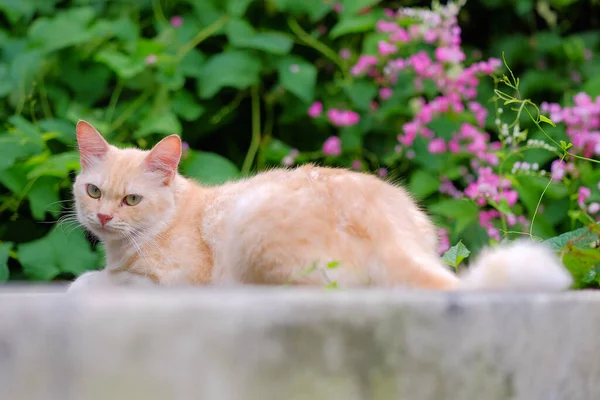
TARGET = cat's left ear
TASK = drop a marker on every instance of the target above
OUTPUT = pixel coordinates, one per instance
(164, 157)
(92, 145)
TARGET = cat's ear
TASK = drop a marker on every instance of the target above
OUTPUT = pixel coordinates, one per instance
(92, 145)
(164, 157)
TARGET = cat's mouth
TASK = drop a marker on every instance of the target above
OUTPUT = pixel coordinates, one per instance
(107, 231)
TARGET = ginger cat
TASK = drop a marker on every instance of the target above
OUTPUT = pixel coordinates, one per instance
(161, 228)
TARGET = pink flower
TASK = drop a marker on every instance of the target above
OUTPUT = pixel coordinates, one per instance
(389, 13)
(400, 35)
(385, 48)
(385, 93)
(386, 26)
(332, 146)
(557, 170)
(363, 63)
(185, 149)
(594, 208)
(288, 161)
(436, 146)
(583, 193)
(345, 54)
(315, 109)
(151, 59)
(444, 241)
(356, 164)
(343, 117)
(452, 55)
(176, 21)
(382, 172)
(338, 8)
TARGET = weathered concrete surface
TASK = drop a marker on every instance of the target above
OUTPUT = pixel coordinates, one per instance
(288, 343)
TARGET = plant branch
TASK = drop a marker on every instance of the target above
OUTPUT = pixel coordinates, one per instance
(255, 142)
(202, 36)
(317, 45)
(125, 115)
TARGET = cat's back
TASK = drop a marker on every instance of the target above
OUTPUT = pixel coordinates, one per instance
(307, 196)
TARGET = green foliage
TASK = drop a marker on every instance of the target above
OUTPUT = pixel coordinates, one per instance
(61, 251)
(233, 63)
(456, 255)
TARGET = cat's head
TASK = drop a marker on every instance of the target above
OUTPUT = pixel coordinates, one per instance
(124, 193)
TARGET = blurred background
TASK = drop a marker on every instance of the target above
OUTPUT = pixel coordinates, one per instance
(401, 89)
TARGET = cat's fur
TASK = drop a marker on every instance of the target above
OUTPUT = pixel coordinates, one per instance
(274, 228)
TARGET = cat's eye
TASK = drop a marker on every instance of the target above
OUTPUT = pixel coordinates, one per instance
(132, 199)
(93, 191)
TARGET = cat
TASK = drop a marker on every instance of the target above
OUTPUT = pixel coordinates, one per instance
(282, 226)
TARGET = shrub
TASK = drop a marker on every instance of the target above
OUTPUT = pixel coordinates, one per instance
(286, 82)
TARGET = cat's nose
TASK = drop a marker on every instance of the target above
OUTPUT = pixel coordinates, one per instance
(104, 218)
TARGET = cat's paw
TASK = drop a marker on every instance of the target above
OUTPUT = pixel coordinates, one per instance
(89, 281)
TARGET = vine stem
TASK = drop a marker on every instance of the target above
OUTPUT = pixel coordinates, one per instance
(537, 207)
(202, 36)
(114, 98)
(125, 115)
(317, 45)
(256, 139)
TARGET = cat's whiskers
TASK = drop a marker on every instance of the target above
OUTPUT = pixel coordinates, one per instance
(152, 235)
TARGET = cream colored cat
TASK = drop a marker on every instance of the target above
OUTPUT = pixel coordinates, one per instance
(275, 228)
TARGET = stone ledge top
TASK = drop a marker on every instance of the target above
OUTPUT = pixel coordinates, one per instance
(256, 343)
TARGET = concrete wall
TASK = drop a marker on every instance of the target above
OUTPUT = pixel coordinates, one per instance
(287, 343)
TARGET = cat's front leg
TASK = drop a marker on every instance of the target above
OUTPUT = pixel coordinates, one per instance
(90, 280)
(105, 279)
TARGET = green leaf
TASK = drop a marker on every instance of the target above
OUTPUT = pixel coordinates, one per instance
(4, 251)
(592, 86)
(62, 130)
(241, 34)
(456, 254)
(455, 208)
(565, 146)
(15, 178)
(546, 120)
(58, 165)
(355, 24)
(271, 42)
(580, 237)
(315, 9)
(501, 206)
(191, 65)
(42, 195)
(423, 183)
(361, 93)
(333, 264)
(27, 131)
(275, 150)
(14, 147)
(354, 6)
(67, 28)
(582, 264)
(238, 7)
(6, 84)
(299, 77)
(186, 107)
(61, 251)
(463, 211)
(238, 31)
(209, 168)
(351, 137)
(239, 69)
(164, 123)
(444, 126)
(124, 65)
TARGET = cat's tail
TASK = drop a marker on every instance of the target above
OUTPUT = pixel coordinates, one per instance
(521, 265)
